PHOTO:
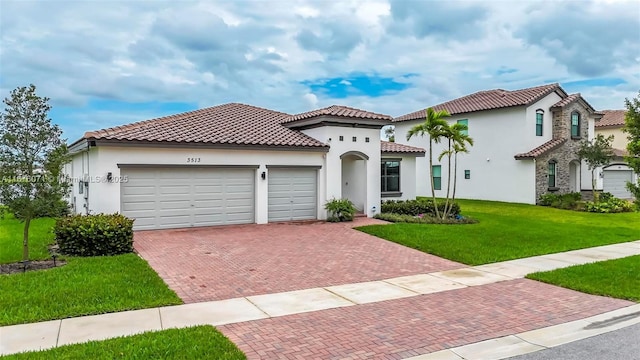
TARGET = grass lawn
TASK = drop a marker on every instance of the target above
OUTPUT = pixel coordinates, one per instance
(618, 278)
(509, 231)
(201, 342)
(85, 286)
(40, 235)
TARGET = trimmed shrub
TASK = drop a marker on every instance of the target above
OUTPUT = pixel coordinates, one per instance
(400, 218)
(608, 203)
(570, 201)
(94, 235)
(340, 210)
(417, 207)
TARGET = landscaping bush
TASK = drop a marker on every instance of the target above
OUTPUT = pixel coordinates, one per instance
(340, 210)
(570, 201)
(58, 209)
(609, 204)
(94, 235)
(417, 207)
(401, 218)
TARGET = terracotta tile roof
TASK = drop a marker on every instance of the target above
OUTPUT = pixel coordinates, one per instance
(540, 150)
(566, 101)
(570, 99)
(611, 118)
(392, 147)
(340, 111)
(620, 153)
(488, 100)
(231, 124)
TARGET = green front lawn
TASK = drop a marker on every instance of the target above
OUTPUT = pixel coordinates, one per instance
(85, 286)
(618, 278)
(201, 342)
(510, 231)
(11, 230)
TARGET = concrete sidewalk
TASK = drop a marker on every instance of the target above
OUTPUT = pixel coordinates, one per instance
(54, 333)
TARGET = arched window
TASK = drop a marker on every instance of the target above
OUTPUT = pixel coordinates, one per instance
(575, 124)
(539, 121)
(551, 174)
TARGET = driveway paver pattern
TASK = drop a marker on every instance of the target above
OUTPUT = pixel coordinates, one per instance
(205, 264)
(417, 325)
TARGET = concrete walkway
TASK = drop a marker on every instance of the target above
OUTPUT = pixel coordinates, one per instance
(54, 333)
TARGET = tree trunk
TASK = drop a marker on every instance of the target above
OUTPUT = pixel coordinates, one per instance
(593, 185)
(455, 179)
(25, 240)
(433, 190)
(446, 204)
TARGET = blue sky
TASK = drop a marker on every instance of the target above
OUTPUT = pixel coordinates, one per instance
(107, 63)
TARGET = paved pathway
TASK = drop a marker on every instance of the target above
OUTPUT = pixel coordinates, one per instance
(395, 318)
(216, 263)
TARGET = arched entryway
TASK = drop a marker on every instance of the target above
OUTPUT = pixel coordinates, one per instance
(574, 176)
(354, 178)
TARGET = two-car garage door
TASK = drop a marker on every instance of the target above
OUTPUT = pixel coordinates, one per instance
(174, 197)
(179, 196)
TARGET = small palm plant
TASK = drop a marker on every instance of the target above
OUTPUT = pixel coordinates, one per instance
(340, 210)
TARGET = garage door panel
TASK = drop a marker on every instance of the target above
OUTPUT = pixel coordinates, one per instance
(615, 182)
(292, 194)
(139, 190)
(161, 198)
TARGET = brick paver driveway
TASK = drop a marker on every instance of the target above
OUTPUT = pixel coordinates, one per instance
(417, 325)
(204, 264)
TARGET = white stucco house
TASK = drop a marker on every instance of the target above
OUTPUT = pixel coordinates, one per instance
(614, 177)
(525, 144)
(238, 164)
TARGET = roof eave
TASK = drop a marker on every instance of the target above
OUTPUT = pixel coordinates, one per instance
(228, 146)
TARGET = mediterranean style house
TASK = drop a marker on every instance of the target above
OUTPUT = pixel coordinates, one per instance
(614, 177)
(525, 144)
(237, 164)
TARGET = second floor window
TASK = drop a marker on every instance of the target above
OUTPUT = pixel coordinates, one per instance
(575, 125)
(539, 122)
(466, 123)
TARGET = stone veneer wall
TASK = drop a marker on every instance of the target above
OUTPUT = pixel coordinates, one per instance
(564, 154)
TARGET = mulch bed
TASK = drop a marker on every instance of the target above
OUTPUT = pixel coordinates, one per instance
(19, 267)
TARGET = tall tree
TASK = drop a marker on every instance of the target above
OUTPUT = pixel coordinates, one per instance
(390, 133)
(632, 128)
(32, 155)
(433, 128)
(456, 142)
(596, 153)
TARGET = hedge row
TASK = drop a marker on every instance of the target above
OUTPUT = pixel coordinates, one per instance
(417, 207)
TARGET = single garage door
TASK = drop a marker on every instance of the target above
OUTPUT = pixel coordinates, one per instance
(292, 194)
(175, 197)
(615, 182)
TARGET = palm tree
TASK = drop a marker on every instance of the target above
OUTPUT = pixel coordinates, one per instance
(459, 146)
(390, 133)
(456, 138)
(432, 126)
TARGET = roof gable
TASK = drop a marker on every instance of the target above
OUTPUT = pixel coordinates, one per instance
(489, 100)
(227, 124)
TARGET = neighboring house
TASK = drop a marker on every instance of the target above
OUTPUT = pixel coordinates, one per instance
(237, 164)
(525, 144)
(614, 177)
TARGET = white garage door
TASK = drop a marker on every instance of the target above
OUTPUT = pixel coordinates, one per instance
(292, 194)
(175, 197)
(615, 182)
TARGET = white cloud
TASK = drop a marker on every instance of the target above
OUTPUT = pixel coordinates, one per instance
(261, 52)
